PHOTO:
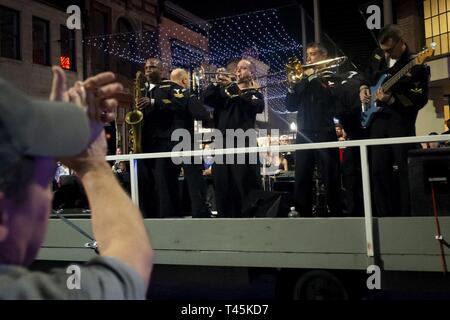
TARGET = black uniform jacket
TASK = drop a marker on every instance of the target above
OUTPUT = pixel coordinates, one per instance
(174, 108)
(235, 112)
(315, 100)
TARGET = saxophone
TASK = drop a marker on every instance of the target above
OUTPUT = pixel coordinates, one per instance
(135, 118)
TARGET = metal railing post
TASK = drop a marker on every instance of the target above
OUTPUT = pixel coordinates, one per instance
(367, 201)
(134, 182)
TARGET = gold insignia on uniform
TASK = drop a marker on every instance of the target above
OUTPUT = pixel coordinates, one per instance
(166, 101)
(417, 90)
(178, 94)
(377, 56)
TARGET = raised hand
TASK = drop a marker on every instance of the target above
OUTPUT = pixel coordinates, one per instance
(97, 95)
(222, 77)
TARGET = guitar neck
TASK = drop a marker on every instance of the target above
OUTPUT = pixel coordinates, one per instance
(393, 80)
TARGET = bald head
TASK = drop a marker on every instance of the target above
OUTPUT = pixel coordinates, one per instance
(180, 77)
(245, 71)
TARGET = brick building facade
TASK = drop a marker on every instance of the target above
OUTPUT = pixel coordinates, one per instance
(35, 37)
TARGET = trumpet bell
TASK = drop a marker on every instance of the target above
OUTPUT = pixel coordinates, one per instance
(294, 70)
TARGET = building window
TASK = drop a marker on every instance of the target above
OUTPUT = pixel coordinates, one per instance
(9, 33)
(68, 49)
(100, 27)
(41, 41)
(126, 43)
(437, 24)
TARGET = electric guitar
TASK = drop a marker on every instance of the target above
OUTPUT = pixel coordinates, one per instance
(386, 81)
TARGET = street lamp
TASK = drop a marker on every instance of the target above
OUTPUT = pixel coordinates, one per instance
(293, 126)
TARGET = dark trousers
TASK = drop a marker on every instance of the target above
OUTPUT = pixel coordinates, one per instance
(124, 181)
(148, 199)
(193, 174)
(233, 183)
(390, 187)
(165, 175)
(328, 165)
(352, 183)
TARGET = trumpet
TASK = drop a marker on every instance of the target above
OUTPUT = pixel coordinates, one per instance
(296, 71)
(200, 79)
(215, 74)
(200, 75)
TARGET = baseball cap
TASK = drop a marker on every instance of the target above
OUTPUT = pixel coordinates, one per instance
(39, 128)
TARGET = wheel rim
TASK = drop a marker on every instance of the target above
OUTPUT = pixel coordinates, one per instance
(319, 286)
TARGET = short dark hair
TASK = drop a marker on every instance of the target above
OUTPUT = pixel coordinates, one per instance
(15, 179)
(390, 31)
(318, 46)
(156, 59)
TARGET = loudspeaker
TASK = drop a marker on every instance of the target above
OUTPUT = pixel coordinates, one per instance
(266, 204)
(68, 180)
(284, 185)
(429, 168)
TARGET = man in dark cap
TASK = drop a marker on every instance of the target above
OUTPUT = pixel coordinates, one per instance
(34, 135)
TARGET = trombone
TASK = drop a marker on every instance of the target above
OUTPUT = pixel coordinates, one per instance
(296, 71)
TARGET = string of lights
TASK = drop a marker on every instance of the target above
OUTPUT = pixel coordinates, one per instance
(228, 38)
(259, 34)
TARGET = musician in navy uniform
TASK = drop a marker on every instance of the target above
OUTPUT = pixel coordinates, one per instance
(167, 107)
(148, 199)
(396, 119)
(313, 98)
(190, 109)
(236, 105)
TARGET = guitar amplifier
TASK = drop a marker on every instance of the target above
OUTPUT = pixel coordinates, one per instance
(285, 182)
(429, 168)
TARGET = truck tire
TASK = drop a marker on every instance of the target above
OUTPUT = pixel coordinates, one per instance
(319, 285)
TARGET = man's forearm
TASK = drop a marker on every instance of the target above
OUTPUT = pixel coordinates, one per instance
(117, 223)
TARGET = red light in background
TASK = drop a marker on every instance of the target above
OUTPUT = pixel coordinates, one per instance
(64, 62)
(108, 136)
